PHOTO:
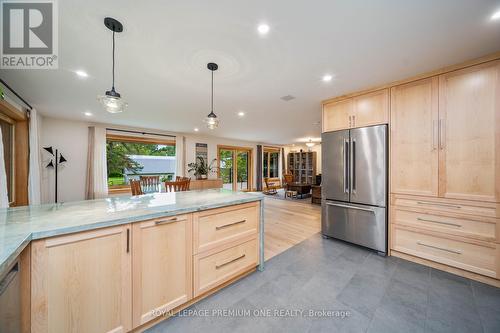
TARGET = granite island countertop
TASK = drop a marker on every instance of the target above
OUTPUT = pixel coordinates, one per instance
(20, 225)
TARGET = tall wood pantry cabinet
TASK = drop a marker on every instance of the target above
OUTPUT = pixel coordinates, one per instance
(445, 135)
(445, 170)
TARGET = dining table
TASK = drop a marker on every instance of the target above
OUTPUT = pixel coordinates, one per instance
(300, 188)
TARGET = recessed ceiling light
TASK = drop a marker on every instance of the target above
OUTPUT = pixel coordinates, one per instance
(327, 78)
(495, 16)
(263, 29)
(196, 129)
(88, 114)
(81, 73)
(241, 114)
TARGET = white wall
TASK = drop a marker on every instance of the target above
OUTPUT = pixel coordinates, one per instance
(71, 138)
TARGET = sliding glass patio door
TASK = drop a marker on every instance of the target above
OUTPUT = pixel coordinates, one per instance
(235, 167)
(226, 170)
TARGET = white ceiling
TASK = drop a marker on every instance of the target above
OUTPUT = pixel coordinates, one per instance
(163, 52)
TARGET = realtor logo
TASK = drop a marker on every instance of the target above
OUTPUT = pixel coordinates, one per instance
(29, 34)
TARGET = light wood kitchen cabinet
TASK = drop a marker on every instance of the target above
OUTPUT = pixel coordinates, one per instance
(470, 255)
(450, 149)
(359, 111)
(453, 223)
(162, 266)
(370, 109)
(82, 282)
(414, 143)
(464, 207)
(337, 115)
(469, 116)
(217, 227)
(215, 267)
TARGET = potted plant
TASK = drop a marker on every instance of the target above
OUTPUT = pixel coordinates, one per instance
(201, 168)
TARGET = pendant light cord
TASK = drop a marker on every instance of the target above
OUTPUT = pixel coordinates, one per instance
(212, 91)
(113, 86)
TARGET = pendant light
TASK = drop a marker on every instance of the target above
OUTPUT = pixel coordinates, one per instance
(211, 120)
(112, 101)
(310, 143)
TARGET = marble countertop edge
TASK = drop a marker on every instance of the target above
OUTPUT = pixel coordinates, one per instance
(21, 240)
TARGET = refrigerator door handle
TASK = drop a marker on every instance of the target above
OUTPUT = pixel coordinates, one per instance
(350, 207)
(353, 166)
(346, 165)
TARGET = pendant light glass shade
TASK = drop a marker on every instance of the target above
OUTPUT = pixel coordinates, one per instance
(211, 120)
(111, 100)
(310, 144)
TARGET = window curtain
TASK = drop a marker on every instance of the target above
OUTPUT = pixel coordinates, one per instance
(283, 163)
(259, 167)
(97, 173)
(4, 197)
(34, 187)
(180, 156)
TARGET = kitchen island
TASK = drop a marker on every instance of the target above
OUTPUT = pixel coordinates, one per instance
(122, 263)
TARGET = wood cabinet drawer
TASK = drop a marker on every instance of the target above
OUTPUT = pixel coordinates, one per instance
(475, 256)
(482, 228)
(448, 205)
(217, 227)
(212, 269)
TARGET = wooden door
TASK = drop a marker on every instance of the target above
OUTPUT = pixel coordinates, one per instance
(371, 109)
(336, 115)
(414, 146)
(162, 266)
(82, 282)
(469, 111)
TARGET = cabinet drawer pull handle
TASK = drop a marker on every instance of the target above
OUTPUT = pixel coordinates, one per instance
(128, 240)
(230, 261)
(229, 225)
(440, 222)
(438, 204)
(166, 221)
(440, 248)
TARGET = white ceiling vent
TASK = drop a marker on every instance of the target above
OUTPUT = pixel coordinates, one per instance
(287, 98)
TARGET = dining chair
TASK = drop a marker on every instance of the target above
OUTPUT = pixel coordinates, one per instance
(135, 186)
(188, 179)
(177, 186)
(150, 183)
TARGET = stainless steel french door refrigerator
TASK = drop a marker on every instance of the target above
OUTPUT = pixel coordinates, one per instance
(354, 186)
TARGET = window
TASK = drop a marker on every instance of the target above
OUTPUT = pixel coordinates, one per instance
(7, 126)
(270, 167)
(132, 158)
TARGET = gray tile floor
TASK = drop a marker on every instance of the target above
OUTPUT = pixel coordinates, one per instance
(374, 293)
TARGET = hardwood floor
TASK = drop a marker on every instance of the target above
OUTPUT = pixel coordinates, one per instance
(288, 223)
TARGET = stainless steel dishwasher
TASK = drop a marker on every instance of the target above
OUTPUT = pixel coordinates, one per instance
(10, 300)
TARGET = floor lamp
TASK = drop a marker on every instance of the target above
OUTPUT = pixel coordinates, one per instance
(55, 161)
